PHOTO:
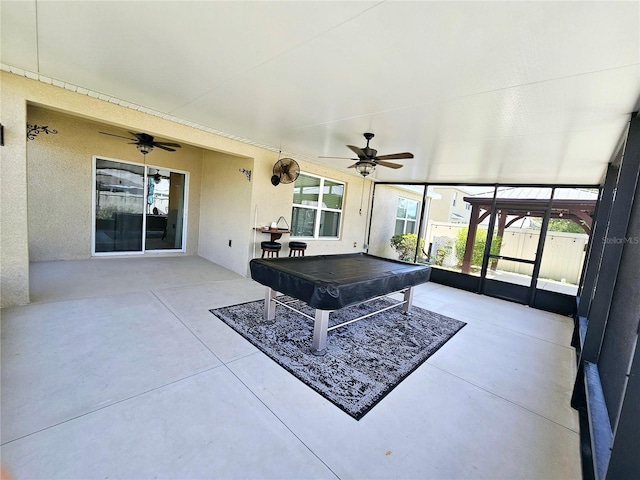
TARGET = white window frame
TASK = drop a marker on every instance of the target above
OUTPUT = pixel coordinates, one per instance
(405, 219)
(319, 208)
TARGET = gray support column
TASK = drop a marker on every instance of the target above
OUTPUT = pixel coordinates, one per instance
(596, 246)
(614, 244)
(625, 453)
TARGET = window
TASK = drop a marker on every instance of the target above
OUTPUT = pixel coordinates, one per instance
(317, 207)
(406, 216)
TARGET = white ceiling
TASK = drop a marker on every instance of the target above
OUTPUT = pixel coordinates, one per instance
(524, 92)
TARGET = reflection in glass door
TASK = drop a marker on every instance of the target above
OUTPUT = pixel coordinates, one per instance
(130, 218)
(165, 209)
(119, 206)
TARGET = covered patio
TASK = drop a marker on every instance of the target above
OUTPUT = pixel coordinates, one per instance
(117, 369)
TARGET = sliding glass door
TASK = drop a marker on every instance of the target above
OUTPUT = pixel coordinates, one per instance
(138, 208)
(165, 209)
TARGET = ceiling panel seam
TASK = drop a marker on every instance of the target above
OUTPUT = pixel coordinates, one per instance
(274, 57)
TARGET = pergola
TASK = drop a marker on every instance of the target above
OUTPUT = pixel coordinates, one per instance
(577, 205)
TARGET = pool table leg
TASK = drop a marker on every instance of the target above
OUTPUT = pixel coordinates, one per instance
(320, 327)
(408, 300)
(269, 313)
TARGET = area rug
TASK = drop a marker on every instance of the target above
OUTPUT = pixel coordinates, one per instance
(365, 360)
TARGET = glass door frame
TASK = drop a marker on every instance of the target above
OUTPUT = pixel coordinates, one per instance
(143, 250)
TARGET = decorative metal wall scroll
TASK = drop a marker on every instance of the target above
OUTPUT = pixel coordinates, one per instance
(246, 172)
(34, 130)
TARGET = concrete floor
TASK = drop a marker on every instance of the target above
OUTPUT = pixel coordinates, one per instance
(118, 370)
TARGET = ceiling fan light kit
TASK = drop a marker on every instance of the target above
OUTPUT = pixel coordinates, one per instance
(144, 149)
(365, 168)
(368, 158)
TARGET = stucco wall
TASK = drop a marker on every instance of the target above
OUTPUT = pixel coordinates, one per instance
(53, 221)
(18, 92)
(225, 211)
(442, 209)
(60, 182)
(14, 262)
(385, 208)
(269, 203)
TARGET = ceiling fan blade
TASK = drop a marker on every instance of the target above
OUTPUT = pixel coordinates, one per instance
(340, 158)
(358, 151)
(114, 135)
(353, 166)
(163, 147)
(388, 164)
(165, 144)
(143, 137)
(395, 156)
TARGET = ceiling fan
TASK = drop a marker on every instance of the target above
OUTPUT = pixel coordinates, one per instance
(145, 143)
(286, 170)
(368, 158)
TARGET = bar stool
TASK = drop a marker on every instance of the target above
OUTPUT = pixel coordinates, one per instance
(297, 249)
(270, 248)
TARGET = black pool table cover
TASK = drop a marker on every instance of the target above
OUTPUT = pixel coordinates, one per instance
(331, 282)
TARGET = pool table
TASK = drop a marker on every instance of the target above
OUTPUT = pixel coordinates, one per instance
(331, 282)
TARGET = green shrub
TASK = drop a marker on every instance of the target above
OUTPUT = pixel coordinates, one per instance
(478, 246)
(442, 253)
(405, 245)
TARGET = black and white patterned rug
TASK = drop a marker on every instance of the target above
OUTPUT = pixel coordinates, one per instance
(365, 360)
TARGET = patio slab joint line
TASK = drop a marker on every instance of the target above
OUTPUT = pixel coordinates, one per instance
(503, 398)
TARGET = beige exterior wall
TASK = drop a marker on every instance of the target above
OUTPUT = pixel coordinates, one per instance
(269, 203)
(14, 251)
(60, 182)
(225, 211)
(46, 197)
(384, 218)
(443, 208)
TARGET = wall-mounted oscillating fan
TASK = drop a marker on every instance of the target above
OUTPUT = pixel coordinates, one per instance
(286, 170)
